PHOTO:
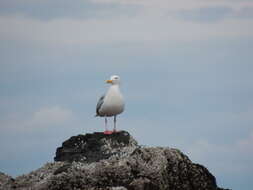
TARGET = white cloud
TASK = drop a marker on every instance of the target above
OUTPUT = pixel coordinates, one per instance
(22, 133)
(54, 115)
(180, 4)
(245, 145)
(229, 159)
(145, 29)
(43, 119)
(154, 23)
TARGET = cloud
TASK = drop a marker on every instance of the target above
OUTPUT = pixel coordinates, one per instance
(41, 23)
(244, 13)
(205, 14)
(42, 120)
(215, 14)
(28, 140)
(224, 159)
(245, 145)
(117, 31)
(231, 164)
(180, 3)
(83, 9)
(47, 10)
(50, 116)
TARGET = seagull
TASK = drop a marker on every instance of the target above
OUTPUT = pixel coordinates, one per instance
(112, 103)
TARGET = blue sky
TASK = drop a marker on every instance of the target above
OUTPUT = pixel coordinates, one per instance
(186, 70)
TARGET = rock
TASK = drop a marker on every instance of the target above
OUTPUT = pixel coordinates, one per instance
(115, 162)
(95, 147)
(5, 181)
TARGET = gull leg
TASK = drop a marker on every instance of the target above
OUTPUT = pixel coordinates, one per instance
(114, 121)
(106, 132)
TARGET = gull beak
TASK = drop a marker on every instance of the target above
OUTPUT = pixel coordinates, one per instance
(109, 81)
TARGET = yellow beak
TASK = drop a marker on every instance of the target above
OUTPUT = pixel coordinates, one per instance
(109, 81)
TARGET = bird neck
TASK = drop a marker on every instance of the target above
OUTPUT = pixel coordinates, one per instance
(114, 87)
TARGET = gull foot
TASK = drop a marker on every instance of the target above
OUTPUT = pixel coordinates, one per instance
(108, 132)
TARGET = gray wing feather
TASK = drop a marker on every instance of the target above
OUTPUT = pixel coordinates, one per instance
(99, 104)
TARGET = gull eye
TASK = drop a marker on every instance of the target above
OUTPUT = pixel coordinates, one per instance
(116, 77)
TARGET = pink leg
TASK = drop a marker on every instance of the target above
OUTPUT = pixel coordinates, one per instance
(107, 132)
(114, 121)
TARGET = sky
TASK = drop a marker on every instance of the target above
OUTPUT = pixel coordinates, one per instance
(186, 68)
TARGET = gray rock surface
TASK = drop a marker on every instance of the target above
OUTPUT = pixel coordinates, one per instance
(5, 181)
(95, 147)
(114, 162)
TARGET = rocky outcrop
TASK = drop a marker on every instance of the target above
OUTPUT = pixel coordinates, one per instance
(95, 147)
(5, 181)
(115, 162)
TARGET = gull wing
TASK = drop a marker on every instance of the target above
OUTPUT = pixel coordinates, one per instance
(99, 104)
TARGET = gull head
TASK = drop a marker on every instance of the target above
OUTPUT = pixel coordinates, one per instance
(114, 79)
